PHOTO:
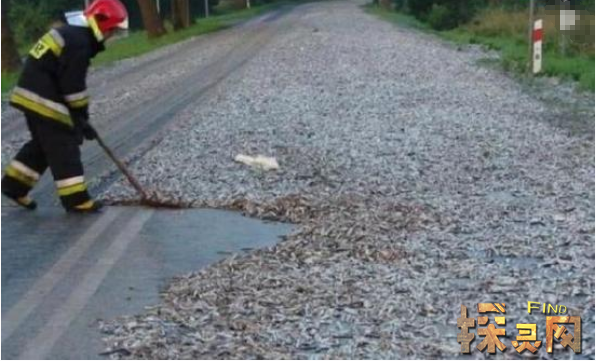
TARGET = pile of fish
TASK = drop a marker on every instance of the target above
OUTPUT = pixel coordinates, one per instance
(418, 181)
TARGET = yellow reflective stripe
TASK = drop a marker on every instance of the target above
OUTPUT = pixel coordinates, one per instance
(59, 107)
(79, 103)
(75, 188)
(70, 181)
(25, 201)
(41, 109)
(49, 40)
(95, 28)
(21, 177)
(24, 169)
(57, 37)
(76, 96)
(86, 205)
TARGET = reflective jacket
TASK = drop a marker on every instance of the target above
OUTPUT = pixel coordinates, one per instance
(53, 81)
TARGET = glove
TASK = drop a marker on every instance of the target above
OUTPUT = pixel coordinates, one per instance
(89, 132)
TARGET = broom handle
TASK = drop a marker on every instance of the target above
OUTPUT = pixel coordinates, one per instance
(135, 183)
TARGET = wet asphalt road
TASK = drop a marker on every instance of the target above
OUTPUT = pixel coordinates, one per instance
(62, 273)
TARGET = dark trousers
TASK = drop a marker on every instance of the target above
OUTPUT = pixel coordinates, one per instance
(51, 146)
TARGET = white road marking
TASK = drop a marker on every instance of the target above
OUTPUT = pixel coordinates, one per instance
(39, 346)
(45, 284)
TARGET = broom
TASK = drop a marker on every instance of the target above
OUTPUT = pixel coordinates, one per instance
(149, 200)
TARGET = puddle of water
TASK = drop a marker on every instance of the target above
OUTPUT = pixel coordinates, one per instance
(171, 243)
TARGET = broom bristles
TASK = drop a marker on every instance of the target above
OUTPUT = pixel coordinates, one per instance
(154, 200)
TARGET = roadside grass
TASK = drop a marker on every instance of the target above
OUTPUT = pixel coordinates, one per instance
(136, 43)
(506, 32)
(8, 81)
(396, 17)
(514, 57)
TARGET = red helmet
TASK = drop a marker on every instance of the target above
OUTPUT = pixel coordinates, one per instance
(108, 15)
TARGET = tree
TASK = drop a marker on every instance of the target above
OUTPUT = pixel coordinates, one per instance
(10, 55)
(180, 14)
(151, 20)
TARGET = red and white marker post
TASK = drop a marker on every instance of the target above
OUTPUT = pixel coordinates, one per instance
(537, 35)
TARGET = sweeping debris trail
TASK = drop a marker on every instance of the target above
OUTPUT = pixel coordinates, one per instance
(153, 199)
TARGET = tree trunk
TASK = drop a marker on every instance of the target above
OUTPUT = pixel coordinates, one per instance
(10, 56)
(180, 14)
(151, 20)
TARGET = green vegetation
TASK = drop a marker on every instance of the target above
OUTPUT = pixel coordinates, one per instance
(514, 56)
(396, 17)
(8, 81)
(568, 55)
(440, 14)
(30, 18)
(137, 43)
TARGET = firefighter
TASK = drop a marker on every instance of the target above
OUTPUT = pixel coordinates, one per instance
(52, 94)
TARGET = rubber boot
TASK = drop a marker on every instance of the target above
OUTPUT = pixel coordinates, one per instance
(25, 202)
(90, 206)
